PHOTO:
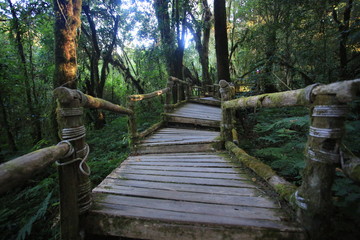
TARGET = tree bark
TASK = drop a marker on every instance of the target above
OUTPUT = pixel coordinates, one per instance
(67, 23)
(5, 123)
(205, 43)
(201, 34)
(343, 29)
(221, 41)
(171, 28)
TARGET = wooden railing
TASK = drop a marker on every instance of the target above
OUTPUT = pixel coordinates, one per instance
(72, 152)
(323, 150)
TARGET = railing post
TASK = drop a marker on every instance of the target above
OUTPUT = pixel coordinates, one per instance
(226, 116)
(168, 98)
(180, 92)
(132, 124)
(321, 156)
(75, 187)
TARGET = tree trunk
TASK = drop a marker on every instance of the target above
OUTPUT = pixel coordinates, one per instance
(201, 34)
(221, 42)
(67, 23)
(343, 29)
(172, 53)
(166, 33)
(267, 85)
(5, 123)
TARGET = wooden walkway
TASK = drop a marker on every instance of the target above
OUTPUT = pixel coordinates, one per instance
(179, 187)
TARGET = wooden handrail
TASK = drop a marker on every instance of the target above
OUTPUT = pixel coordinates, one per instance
(17, 171)
(345, 91)
(139, 97)
(174, 79)
(322, 153)
(67, 95)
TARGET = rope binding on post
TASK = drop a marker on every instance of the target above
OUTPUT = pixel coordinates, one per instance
(72, 134)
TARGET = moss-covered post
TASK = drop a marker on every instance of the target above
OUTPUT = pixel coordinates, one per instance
(321, 157)
(226, 117)
(168, 98)
(187, 90)
(180, 92)
(75, 188)
(132, 128)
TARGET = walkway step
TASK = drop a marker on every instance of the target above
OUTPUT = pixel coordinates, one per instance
(207, 100)
(185, 196)
(178, 140)
(196, 114)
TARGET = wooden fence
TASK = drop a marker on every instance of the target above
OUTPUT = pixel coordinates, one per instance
(323, 150)
(72, 152)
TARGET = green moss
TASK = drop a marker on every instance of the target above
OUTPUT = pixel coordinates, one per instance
(301, 98)
(285, 191)
(254, 164)
(9, 166)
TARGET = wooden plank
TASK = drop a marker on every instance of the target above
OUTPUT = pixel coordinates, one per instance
(142, 159)
(204, 118)
(178, 139)
(124, 171)
(120, 210)
(193, 180)
(140, 228)
(177, 142)
(218, 154)
(180, 136)
(185, 131)
(197, 113)
(190, 207)
(206, 101)
(200, 122)
(200, 106)
(179, 156)
(187, 169)
(179, 164)
(235, 191)
(175, 148)
(199, 110)
(260, 202)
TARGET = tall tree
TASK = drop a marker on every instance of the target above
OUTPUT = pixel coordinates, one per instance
(344, 27)
(221, 40)
(67, 23)
(200, 30)
(5, 124)
(172, 32)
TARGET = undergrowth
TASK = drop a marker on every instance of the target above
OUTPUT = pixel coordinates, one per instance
(278, 138)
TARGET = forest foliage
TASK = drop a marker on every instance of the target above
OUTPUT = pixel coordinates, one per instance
(126, 47)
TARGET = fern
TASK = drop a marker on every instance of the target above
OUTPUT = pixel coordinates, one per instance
(291, 123)
(26, 229)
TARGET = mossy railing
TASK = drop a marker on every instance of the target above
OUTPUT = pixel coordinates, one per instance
(322, 154)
